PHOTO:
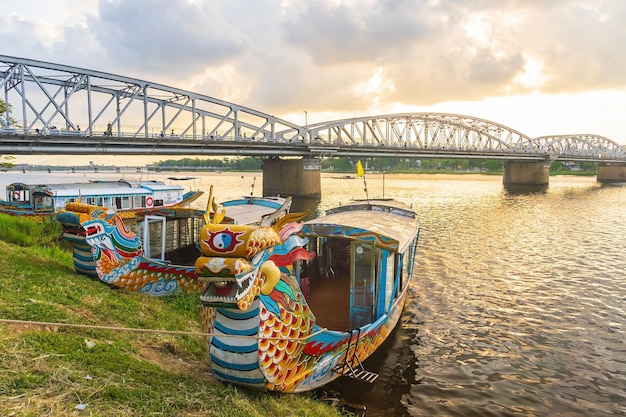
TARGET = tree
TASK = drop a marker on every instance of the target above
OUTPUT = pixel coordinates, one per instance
(4, 114)
(6, 162)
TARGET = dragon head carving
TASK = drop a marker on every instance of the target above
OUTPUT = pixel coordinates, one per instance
(241, 262)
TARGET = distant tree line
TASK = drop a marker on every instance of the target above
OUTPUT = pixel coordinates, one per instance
(387, 164)
(230, 164)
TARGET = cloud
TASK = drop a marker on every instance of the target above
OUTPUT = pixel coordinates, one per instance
(334, 56)
(171, 38)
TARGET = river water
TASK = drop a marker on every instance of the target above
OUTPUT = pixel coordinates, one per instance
(518, 305)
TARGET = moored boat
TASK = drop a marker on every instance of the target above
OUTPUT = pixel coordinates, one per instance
(44, 200)
(307, 302)
(155, 250)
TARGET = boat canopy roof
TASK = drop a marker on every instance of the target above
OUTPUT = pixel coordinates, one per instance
(248, 210)
(390, 224)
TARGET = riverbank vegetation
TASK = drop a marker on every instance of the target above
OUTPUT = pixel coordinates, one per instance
(49, 369)
(386, 164)
(343, 165)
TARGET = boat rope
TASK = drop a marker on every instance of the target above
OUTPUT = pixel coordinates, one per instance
(138, 330)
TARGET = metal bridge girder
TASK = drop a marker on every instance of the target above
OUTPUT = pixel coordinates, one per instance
(146, 115)
(89, 93)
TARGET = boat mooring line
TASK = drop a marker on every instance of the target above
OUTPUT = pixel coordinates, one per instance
(137, 330)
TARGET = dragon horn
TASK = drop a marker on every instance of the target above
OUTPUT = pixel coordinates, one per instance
(291, 217)
(207, 212)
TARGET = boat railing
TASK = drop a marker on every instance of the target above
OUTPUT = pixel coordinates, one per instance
(372, 205)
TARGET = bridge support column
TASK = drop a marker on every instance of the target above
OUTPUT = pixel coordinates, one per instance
(292, 177)
(526, 173)
(611, 173)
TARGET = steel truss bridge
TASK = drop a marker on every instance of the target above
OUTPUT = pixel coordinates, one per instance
(59, 109)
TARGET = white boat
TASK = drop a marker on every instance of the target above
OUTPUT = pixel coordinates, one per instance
(40, 200)
(294, 308)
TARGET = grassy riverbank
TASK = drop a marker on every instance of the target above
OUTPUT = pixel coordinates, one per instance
(51, 370)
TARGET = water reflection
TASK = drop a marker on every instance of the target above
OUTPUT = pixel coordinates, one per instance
(525, 189)
(518, 307)
(301, 205)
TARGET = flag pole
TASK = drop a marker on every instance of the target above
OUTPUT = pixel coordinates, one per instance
(383, 184)
(360, 172)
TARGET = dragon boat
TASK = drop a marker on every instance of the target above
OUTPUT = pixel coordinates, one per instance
(155, 250)
(291, 307)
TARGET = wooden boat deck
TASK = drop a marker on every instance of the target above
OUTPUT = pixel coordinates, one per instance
(330, 302)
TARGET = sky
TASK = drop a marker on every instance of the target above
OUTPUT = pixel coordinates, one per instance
(539, 67)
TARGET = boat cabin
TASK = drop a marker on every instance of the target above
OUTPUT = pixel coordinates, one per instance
(362, 266)
(120, 195)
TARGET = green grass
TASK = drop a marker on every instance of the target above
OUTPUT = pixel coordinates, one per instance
(50, 369)
(28, 232)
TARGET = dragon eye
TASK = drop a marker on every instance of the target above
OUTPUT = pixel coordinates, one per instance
(222, 240)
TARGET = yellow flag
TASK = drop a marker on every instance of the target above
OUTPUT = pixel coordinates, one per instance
(359, 169)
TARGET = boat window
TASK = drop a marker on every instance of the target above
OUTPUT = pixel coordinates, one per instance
(16, 195)
(362, 283)
(44, 203)
(154, 237)
(125, 202)
(409, 260)
(139, 201)
(402, 276)
(389, 279)
(91, 200)
(104, 201)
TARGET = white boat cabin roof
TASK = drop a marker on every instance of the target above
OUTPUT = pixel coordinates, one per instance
(249, 210)
(121, 187)
(391, 224)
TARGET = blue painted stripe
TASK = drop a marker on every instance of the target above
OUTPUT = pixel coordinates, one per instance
(238, 314)
(236, 366)
(251, 381)
(84, 261)
(87, 257)
(232, 348)
(85, 265)
(240, 202)
(239, 332)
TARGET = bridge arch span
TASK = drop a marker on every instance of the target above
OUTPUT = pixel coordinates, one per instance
(47, 96)
(425, 131)
(583, 146)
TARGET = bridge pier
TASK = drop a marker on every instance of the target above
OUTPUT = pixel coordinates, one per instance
(614, 172)
(526, 173)
(292, 177)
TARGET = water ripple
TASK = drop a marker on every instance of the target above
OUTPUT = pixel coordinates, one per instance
(519, 304)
